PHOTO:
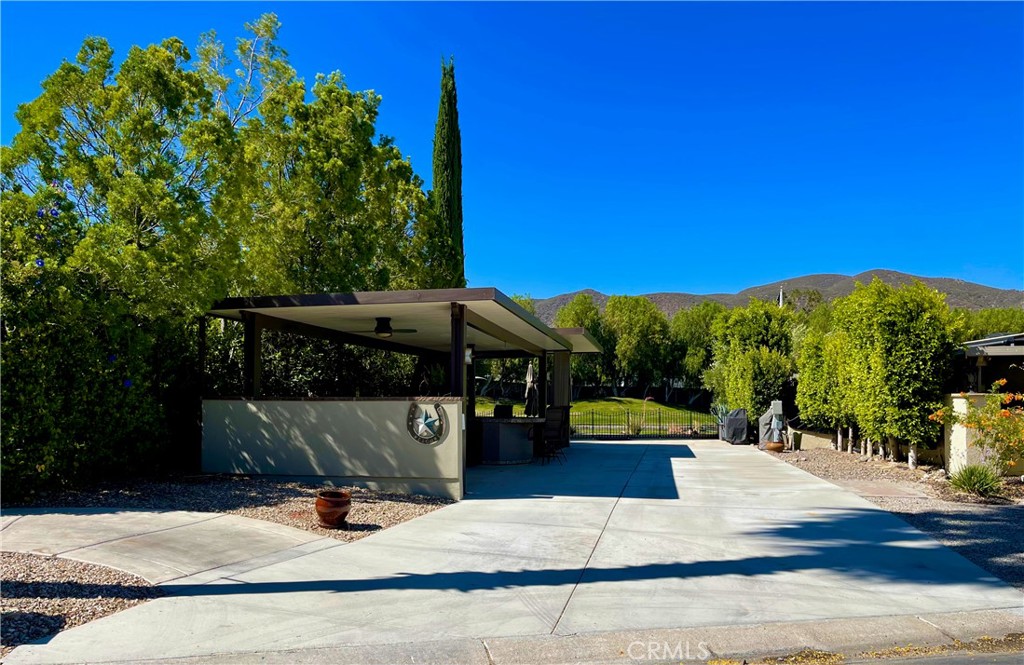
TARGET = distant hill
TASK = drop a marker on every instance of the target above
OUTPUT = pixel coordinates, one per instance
(959, 293)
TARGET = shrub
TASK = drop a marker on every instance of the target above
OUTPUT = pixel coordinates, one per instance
(979, 479)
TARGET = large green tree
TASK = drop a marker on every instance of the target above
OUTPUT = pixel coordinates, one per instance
(691, 332)
(752, 356)
(993, 321)
(755, 377)
(641, 336)
(588, 369)
(441, 234)
(325, 206)
(140, 160)
(136, 194)
(824, 392)
(329, 208)
(901, 345)
(114, 194)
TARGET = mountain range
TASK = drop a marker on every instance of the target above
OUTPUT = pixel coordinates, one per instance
(959, 293)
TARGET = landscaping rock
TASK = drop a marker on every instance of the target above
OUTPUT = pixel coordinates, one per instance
(288, 503)
(43, 595)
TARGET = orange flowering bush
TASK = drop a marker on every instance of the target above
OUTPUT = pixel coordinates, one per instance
(999, 423)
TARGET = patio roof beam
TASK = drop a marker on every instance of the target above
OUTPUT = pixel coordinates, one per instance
(487, 355)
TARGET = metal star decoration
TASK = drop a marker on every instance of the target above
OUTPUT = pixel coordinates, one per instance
(425, 424)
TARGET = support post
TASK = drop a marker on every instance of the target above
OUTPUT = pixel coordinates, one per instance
(560, 379)
(471, 385)
(194, 460)
(252, 353)
(542, 386)
(457, 364)
(202, 356)
(457, 381)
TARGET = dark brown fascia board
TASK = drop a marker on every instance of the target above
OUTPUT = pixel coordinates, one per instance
(584, 333)
(359, 298)
(269, 322)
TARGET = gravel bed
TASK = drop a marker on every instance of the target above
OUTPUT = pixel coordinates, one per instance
(991, 536)
(288, 503)
(988, 532)
(43, 595)
(834, 465)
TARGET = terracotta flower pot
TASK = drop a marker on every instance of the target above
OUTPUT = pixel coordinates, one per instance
(332, 507)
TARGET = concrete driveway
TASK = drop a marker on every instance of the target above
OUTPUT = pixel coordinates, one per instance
(624, 539)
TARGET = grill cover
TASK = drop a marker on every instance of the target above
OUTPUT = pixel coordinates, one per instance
(734, 429)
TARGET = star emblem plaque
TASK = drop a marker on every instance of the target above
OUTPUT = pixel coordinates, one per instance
(427, 424)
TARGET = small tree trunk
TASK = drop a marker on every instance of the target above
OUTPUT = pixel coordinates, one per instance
(870, 449)
(893, 449)
(849, 442)
(912, 455)
(839, 439)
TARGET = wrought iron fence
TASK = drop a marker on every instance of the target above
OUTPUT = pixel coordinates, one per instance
(638, 425)
(655, 424)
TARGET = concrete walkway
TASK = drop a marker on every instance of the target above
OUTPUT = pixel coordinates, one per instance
(626, 542)
(159, 546)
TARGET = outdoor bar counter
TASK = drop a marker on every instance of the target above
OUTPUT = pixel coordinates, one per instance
(508, 440)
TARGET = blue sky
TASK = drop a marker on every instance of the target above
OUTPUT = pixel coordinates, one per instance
(636, 148)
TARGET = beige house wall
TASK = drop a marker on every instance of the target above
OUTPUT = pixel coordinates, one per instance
(958, 441)
(359, 442)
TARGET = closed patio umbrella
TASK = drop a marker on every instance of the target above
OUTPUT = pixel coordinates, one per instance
(531, 391)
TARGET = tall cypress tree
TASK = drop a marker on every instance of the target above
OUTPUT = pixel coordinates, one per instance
(448, 260)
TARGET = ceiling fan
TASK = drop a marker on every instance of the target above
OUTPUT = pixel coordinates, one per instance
(384, 329)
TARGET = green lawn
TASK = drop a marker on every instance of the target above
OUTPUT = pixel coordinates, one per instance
(625, 416)
(608, 406)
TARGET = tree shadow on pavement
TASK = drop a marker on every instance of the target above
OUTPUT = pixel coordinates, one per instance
(863, 546)
(989, 536)
(17, 628)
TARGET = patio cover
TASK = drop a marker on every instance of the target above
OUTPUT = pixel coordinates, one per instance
(495, 324)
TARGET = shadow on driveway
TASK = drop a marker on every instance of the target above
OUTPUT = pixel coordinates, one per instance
(868, 545)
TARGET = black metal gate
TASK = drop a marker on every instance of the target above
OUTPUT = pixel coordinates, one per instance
(659, 424)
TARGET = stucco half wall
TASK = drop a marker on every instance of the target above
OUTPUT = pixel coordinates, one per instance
(960, 448)
(360, 442)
